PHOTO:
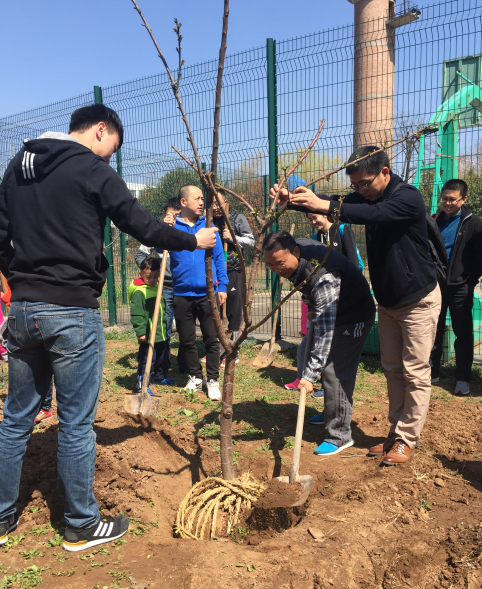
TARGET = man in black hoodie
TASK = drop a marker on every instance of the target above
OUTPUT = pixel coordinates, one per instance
(55, 198)
(462, 234)
(404, 283)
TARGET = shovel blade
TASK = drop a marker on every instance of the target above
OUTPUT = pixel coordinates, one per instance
(150, 405)
(275, 348)
(132, 403)
(306, 480)
(262, 356)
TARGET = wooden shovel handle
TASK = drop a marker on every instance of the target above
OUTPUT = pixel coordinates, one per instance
(155, 319)
(295, 463)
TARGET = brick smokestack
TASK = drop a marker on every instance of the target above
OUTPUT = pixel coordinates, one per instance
(374, 73)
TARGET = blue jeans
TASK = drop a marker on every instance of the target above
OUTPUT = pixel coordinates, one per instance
(67, 342)
(168, 295)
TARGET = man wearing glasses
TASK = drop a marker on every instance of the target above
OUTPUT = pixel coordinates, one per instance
(404, 283)
(462, 234)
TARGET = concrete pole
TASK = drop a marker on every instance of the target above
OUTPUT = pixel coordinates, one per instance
(374, 73)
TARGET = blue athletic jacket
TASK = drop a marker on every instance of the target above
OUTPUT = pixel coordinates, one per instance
(188, 269)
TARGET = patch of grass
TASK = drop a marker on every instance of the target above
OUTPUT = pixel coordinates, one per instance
(60, 557)
(211, 430)
(190, 395)
(65, 573)
(38, 530)
(57, 540)
(119, 542)
(35, 509)
(138, 531)
(93, 565)
(25, 579)
(263, 448)
(425, 505)
(30, 554)
(119, 576)
(290, 443)
(123, 335)
(13, 541)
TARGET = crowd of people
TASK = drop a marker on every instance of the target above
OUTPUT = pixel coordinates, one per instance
(419, 268)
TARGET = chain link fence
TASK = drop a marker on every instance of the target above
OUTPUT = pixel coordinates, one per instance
(373, 82)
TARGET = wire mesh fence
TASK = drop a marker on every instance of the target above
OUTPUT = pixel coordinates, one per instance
(374, 81)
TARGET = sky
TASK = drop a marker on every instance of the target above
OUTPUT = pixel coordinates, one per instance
(55, 49)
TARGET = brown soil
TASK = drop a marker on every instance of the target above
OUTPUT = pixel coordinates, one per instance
(418, 525)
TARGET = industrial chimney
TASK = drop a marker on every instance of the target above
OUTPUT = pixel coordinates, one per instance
(374, 68)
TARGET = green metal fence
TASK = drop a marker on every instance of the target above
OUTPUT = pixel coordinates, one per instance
(273, 99)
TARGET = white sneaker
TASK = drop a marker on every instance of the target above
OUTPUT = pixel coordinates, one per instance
(462, 388)
(213, 390)
(435, 380)
(194, 384)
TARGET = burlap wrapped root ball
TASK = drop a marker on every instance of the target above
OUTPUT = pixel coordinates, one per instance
(200, 508)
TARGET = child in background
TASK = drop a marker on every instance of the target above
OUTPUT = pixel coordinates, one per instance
(142, 296)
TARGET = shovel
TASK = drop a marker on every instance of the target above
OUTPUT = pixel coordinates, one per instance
(305, 479)
(143, 402)
(269, 350)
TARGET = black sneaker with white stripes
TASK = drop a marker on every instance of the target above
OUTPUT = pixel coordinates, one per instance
(8, 527)
(108, 528)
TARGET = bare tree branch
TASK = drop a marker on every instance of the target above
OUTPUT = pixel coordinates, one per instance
(175, 89)
(219, 85)
(343, 166)
(177, 30)
(288, 173)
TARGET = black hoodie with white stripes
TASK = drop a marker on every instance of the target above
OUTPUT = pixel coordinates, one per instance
(54, 200)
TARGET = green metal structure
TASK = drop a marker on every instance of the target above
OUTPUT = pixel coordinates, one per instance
(445, 122)
(273, 152)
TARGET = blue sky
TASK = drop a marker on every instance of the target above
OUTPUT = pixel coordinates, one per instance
(55, 49)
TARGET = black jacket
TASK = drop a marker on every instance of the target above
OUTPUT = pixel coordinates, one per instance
(54, 200)
(466, 259)
(242, 231)
(355, 304)
(399, 273)
(346, 246)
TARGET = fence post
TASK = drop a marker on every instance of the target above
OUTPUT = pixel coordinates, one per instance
(109, 254)
(266, 205)
(273, 152)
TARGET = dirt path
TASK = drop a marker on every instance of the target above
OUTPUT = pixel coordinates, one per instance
(418, 525)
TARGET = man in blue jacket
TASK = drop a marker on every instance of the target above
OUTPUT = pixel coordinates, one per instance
(404, 282)
(190, 295)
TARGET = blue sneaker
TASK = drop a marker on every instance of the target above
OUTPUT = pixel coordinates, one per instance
(318, 394)
(318, 419)
(168, 381)
(328, 449)
(148, 390)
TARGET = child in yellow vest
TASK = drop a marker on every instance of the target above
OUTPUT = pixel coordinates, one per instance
(142, 296)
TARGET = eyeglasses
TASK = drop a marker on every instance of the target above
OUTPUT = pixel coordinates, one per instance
(450, 201)
(275, 267)
(362, 186)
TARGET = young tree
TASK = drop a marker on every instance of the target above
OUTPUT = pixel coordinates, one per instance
(264, 221)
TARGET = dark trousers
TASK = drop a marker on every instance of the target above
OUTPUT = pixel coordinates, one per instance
(169, 299)
(339, 377)
(234, 302)
(459, 300)
(160, 362)
(186, 311)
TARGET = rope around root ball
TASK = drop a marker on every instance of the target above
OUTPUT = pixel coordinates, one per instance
(207, 497)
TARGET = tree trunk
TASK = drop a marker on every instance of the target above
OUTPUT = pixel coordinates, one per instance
(226, 417)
